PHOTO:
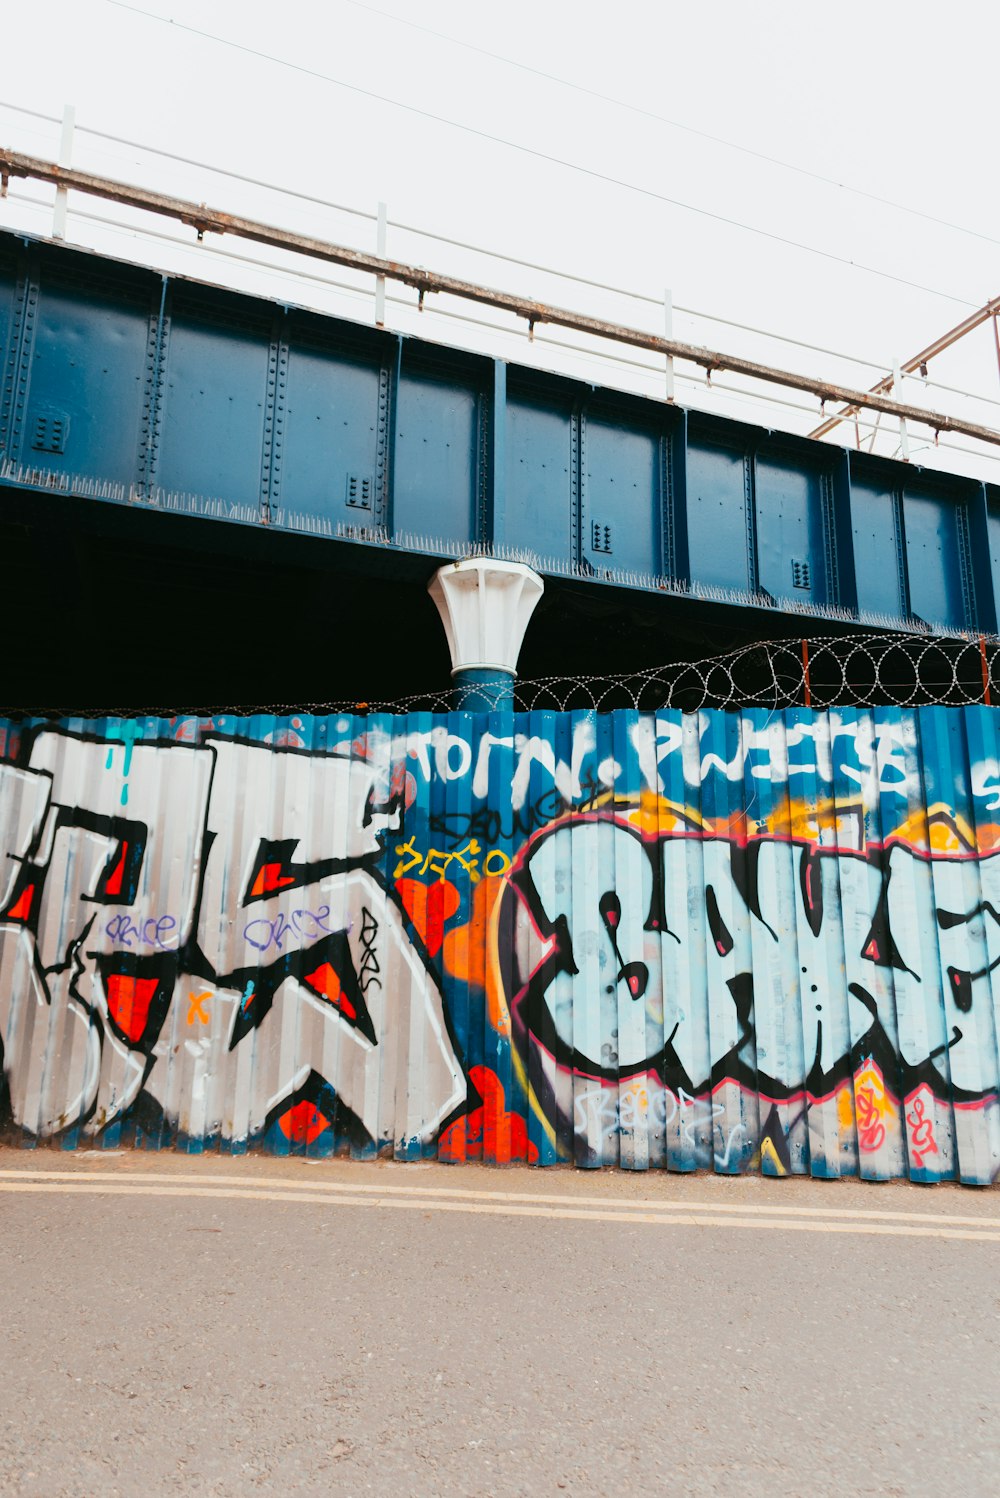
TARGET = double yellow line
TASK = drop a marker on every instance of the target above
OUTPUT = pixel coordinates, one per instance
(672, 1210)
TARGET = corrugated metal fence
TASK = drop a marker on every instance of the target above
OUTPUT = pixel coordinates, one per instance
(724, 941)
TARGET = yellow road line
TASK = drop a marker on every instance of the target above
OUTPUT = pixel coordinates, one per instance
(439, 1193)
(694, 1216)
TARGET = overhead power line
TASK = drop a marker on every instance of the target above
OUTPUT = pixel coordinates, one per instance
(662, 119)
(590, 172)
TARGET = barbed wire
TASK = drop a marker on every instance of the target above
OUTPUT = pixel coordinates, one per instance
(877, 669)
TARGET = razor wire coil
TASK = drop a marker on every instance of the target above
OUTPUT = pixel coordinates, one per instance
(868, 670)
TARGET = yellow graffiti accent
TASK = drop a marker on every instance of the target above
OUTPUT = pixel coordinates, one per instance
(937, 828)
(655, 815)
(438, 861)
(770, 1154)
(872, 1107)
(845, 1107)
(870, 1077)
(406, 850)
(498, 869)
(825, 821)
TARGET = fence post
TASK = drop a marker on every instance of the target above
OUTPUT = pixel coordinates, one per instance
(904, 438)
(668, 332)
(805, 672)
(65, 159)
(380, 242)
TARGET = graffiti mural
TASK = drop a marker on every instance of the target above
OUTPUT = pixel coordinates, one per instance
(758, 941)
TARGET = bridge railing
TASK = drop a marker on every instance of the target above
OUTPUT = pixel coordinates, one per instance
(132, 234)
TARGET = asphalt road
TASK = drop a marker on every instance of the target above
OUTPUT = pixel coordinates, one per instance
(214, 1326)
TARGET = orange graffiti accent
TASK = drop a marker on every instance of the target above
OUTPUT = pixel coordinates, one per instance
(824, 821)
(938, 828)
(303, 1123)
(922, 1141)
(738, 827)
(845, 1107)
(429, 906)
(656, 815)
(196, 1011)
(471, 958)
(488, 1132)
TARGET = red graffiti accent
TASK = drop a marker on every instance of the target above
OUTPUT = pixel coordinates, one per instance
(871, 951)
(429, 906)
(403, 784)
(871, 1130)
(128, 1002)
(922, 1141)
(489, 1132)
(325, 982)
(113, 883)
(303, 1123)
(190, 730)
(21, 908)
(270, 878)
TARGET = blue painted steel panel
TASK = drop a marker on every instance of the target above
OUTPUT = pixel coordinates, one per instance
(541, 479)
(765, 940)
(333, 443)
(620, 510)
(791, 530)
(87, 383)
(934, 555)
(993, 536)
(8, 331)
(879, 569)
(212, 419)
(437, 472)
(717, 516)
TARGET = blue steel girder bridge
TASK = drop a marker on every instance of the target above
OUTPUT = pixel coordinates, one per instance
(208, 498)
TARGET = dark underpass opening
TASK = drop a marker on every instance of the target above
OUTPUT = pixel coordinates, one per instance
(108, 609)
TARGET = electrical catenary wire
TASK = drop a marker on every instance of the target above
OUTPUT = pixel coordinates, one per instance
(590, 172)
(662, 119)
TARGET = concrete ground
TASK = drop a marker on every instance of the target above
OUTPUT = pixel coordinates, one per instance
(204, 1325)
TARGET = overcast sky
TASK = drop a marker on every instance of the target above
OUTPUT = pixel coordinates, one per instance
(891, 101)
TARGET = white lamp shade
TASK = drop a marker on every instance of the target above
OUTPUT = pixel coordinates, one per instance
(485, 607)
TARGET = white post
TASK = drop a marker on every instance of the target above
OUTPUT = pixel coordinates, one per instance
(380, 241)
(65, 159)
(668, 332)
(904, 440)
(485, 607)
